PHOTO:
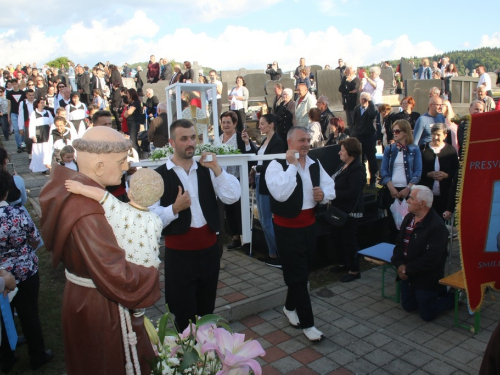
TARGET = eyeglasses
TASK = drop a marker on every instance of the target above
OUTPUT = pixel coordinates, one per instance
(397, 131)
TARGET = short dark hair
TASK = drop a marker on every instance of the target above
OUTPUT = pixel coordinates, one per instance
(232, 115)
(270, 119)
(315, 114)
(102, 113)
(183, 123)
(30, 91)
(59, 118)
(352, 147)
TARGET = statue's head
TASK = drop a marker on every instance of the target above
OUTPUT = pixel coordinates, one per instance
(102, 155)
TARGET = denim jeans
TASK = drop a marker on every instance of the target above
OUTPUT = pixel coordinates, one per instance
(266, 218)
(429, 303)
(13, 121)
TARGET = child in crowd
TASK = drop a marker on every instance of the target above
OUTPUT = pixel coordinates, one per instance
(98, 100)
(91, 110)
(67, 155)
(137, 230)
(62, 134)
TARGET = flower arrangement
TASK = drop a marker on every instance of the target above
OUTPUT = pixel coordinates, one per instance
(222, 149)
(207, 347)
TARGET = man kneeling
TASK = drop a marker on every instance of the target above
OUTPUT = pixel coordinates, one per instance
(420, 256)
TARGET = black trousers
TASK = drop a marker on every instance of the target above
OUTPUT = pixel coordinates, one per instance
(133, 131)
(117, 119)
(233, 217)
(295, 246)
(346, 240)
(191, 278)
(27, 140)
(242, 117)
(368, 144)
(26, 304)
(390, 226)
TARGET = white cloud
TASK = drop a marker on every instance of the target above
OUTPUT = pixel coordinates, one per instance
(235, 47)
(107, 41)
(493, 41)
(35, 47)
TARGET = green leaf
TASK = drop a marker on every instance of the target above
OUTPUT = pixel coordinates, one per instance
(190, 358)
(162, 327)
(210, 319)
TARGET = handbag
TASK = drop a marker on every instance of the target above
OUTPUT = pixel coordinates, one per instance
(335, 216)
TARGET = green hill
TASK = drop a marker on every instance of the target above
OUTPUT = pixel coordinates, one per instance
(465, 59)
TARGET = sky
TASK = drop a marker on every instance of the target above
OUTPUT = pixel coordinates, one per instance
(233, 34)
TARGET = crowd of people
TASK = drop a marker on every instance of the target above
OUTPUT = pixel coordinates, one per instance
(68, 132)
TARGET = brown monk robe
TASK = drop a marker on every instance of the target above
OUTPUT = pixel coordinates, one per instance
(78, 235)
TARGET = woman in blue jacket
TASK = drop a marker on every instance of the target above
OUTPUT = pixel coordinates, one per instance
(401, 169)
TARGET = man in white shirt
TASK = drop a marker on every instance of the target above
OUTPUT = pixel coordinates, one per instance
(304, 103)
(484, 79)
(189, 212)
(373, 85)
(25, 110)
(296, 186)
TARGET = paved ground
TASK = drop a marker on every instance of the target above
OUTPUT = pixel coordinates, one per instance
(366, 334)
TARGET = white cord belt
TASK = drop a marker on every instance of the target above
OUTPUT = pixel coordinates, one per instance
(128, 335)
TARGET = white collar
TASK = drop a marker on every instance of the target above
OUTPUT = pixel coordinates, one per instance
(170, 164)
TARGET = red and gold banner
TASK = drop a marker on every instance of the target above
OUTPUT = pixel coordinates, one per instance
(479, 206)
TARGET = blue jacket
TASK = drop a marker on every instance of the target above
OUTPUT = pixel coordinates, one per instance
(412, 160)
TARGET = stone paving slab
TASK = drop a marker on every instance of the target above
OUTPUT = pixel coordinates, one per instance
(365, 333)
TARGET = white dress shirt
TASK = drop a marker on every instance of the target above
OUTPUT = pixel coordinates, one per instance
(281, 184)
(485, 80)
(226, 186)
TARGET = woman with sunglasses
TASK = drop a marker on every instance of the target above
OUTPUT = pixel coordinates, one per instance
(401, 169)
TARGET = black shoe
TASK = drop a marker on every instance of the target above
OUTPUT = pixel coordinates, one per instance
(19, 150)
(273, 262)
(350, 277)
(35, 365)
(236, 244)
(7, 366)
(338, 269)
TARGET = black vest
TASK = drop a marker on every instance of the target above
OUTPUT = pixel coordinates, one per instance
(42, 131)
(293, 205)
(206, 194)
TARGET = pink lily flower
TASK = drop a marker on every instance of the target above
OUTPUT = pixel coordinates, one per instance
(235, 353)
(206, 334)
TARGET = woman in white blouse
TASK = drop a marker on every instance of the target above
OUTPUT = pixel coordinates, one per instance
(238, 99)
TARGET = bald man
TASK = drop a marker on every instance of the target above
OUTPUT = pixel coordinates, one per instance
(98, 276)
(422, 130)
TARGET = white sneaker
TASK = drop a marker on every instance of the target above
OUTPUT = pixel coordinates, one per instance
(293, 318)
(313, 334)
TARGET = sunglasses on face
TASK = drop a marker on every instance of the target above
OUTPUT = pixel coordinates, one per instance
(397, 131)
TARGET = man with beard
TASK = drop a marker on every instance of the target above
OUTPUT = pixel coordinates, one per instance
(189, 212)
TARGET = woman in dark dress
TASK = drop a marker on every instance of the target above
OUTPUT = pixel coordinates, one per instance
(349, 182)
(407, 113)
(271, 144)
(438, 174)
(188, 74)
(134, 117)
(349, 89)
(285, 116)
(241, 141)
(336, 130)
